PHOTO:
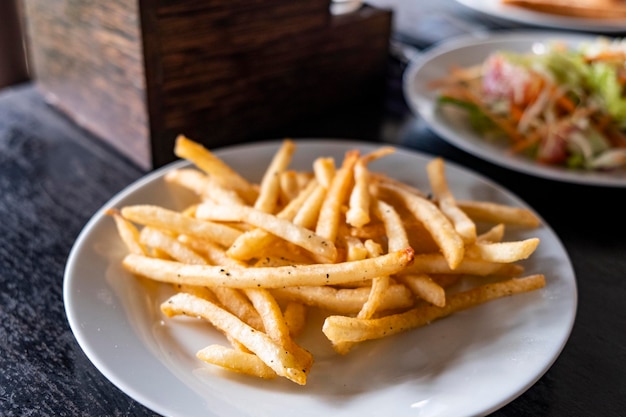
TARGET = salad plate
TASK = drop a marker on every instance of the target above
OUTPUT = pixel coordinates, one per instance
(466, 51)
(495, 8)
(465, 365)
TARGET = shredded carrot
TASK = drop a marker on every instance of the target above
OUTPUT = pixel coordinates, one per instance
(527, 142)
(542, 107)
(566, 103)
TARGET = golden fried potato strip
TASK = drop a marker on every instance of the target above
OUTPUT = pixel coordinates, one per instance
(272, 277)
(236, 361)
(498, 213)
(504, 252)
(162, 218)
(358, 214)
(340, 329)
(215, 167)
(128, 232)
(203, 185)
(330, 212)
(345, 300)
(269, 191)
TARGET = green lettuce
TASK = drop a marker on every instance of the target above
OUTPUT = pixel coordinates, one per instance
(603, 81)
(481, 122)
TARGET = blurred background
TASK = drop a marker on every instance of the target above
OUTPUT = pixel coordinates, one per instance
(137, 74)
(13, 67)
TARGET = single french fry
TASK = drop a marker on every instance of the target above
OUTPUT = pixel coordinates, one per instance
(498, 213)
(215, 167)
(310, 210)
(345, 300)
(340, 329)
(328, 221)
(358, 214)
(269, 191)
(276, 277)
(494, 234)
(175, 249)
(236, 361)
(434, 263)
(268, 309)
(382, 179)
(203, 185)
(394, 226)
(378, 153)
(162, 218)
(190, 178)
(503, 252)
(128, 232)
(324, 170)
(375, 298)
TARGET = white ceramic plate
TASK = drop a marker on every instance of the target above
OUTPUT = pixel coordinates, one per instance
(495, 8)
(469, 364)
(453, 127)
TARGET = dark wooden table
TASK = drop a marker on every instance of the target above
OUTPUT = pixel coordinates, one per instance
(54, 176)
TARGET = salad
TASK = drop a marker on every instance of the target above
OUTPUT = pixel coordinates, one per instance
(564, 106)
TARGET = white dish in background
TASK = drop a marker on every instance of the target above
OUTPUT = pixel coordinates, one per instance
(495, 8)
(453, 127)
(469, 364)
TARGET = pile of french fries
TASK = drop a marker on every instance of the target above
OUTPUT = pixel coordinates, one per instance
(376, 255)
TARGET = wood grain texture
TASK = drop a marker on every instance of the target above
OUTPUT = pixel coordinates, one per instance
(139, 73)
(13, 68)
(87, 59)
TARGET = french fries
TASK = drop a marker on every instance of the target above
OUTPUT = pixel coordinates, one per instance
(282, 228)
(376, 256)
(464, 226)
(283, 362)
(342, 329)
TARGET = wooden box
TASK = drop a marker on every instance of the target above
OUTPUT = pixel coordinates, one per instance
(138, 73)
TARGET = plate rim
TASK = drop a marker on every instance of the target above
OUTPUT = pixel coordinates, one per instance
(149, 178)
(423, 105)
(537, 18)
